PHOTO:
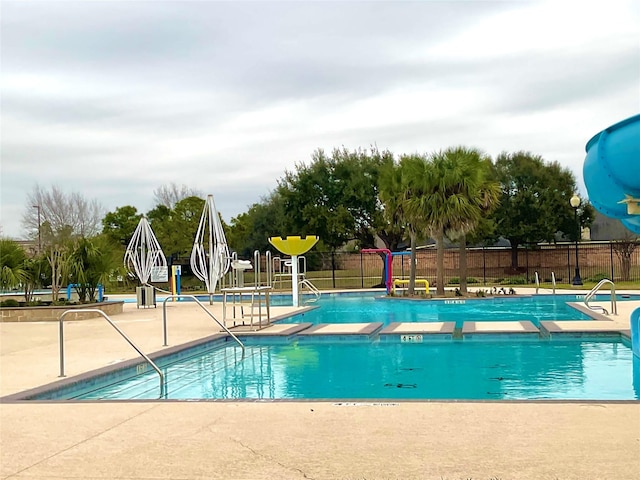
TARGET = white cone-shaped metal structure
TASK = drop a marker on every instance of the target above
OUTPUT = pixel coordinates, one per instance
(143, 254)
(210, 257)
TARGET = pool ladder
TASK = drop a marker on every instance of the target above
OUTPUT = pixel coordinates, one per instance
(106, 317)
(192, 297)
(553, 281)
(312, 288)
(589, 296)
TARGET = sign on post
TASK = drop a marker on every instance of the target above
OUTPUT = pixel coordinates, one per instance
(159, 274)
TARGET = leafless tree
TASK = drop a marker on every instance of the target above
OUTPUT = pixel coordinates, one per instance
(61, 211)
(624, 249)
(170, 194)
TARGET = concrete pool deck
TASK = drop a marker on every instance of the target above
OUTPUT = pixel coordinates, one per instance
(285, 440)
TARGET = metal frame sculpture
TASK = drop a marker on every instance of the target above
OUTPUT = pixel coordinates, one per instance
(143, 253)
(210, 259)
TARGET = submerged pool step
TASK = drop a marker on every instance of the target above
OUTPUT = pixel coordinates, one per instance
(417, 332)
(500, 330)
(147, 385)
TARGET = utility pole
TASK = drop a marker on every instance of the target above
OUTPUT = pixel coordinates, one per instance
(39, 230)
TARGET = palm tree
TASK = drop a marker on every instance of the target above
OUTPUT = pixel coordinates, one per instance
(447, 195)
(12, 258)
(90, 264)
(395, 193)
(482, 195)
(34, 271)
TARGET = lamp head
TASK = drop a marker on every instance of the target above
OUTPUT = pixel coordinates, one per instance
(575, 201)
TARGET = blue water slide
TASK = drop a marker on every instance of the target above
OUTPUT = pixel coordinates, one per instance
(612, 172)
(635, 333)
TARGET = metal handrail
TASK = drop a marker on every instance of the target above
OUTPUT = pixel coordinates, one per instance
(257, 269)
(594, 290)
(164, 319)
(106, 317)
(537, 282)
(269, 268)
(234, 272)
(311, 287)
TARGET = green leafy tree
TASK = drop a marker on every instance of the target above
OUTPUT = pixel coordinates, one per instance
(251, 230)
(534, 202)
(336, 198)
(120, 224)
(176, 228)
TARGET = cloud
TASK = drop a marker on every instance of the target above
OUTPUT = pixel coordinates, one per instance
(114, 99)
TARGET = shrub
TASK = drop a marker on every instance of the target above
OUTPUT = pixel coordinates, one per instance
(10, 302)
(456, 280)
(514, 281)
(597, 277)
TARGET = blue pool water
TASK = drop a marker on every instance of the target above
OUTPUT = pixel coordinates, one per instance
(316, 369)
(301, 367)
(355, 308)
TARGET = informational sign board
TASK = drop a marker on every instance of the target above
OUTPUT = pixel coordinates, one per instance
(160, 274)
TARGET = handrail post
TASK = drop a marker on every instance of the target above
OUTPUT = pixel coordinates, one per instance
(594, 290)
(61, 337)
(122, 334)
(537, 282)
(553, 280)
(614, 305)
(269, 268)
(257, 269)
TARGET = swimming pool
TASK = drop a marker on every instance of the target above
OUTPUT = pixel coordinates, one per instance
(368, 307)
(586, 369)
(377, 366)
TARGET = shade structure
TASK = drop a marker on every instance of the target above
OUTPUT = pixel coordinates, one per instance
(143, 256)
(210, 257)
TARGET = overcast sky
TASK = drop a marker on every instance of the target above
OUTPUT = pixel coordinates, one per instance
(113, 99)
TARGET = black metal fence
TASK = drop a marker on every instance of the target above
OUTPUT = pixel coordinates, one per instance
(485, 266)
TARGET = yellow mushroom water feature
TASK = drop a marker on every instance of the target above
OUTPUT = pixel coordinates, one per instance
(294, 246)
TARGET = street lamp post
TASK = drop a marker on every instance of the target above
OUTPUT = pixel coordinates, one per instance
(575, 203)
(39, 234)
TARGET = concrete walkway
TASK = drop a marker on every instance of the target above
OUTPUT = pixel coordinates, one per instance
(285, 440)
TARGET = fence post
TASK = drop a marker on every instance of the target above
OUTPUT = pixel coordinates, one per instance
(611, 259)
(333, 269)
(361, 271)
(526, 256)
(568, 265)
(484, 267)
